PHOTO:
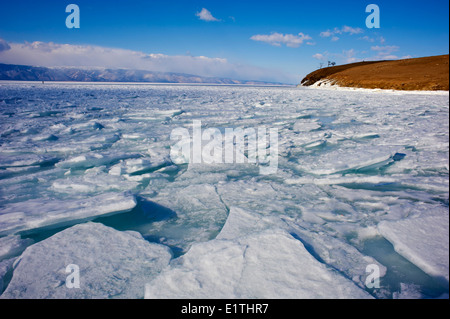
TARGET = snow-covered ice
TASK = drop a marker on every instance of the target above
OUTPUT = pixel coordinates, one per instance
(106, 258)
(361, 175)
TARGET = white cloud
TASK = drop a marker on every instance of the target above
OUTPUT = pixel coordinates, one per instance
(350, 56)
(49, 54)
(385, 52)
(346, 56)
(4, 46)
(326, 34)
(389, 57)
(319, 56)
(344, 29)
(387, 49)
(205, 15)
(347, 29)
(367, 38)
(277, 39)
(336, 31)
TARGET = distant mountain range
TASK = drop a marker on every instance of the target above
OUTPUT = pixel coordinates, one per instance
(32, 73)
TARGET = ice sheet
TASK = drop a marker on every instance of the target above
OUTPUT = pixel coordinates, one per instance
(349, 161)
(269, 264)
(38, 213)
(200, 214)
(111, 264)
(12, 245)
(423, 240)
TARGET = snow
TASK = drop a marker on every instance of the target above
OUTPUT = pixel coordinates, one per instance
(112, 264)
(331, 85)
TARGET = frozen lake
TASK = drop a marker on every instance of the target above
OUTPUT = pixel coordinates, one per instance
(86, 177)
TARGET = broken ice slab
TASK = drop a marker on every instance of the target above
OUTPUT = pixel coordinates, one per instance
(45, 212)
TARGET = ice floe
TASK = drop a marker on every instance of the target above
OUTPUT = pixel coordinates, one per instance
(262, 264)
(39, 213)
(111, 264)
(423, 240)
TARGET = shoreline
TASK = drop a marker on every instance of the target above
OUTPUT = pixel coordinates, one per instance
(330, 85)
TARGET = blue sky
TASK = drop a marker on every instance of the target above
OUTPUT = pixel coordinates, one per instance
(262, 40)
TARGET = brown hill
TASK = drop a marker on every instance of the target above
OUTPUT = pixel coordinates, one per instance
(428, 73)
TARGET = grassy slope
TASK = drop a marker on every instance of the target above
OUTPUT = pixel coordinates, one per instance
(428, 73)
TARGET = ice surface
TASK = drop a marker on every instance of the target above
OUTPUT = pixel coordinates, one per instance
(6, 267)
(343, 161)
(200, 214)
(12, 245)
(38, 213)
(352, 164)
(408, 291)
(94, 180)
(263, 264)
(423, 240)
(324, 248)
(306, 125)
(241, 222)
(111, 264)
